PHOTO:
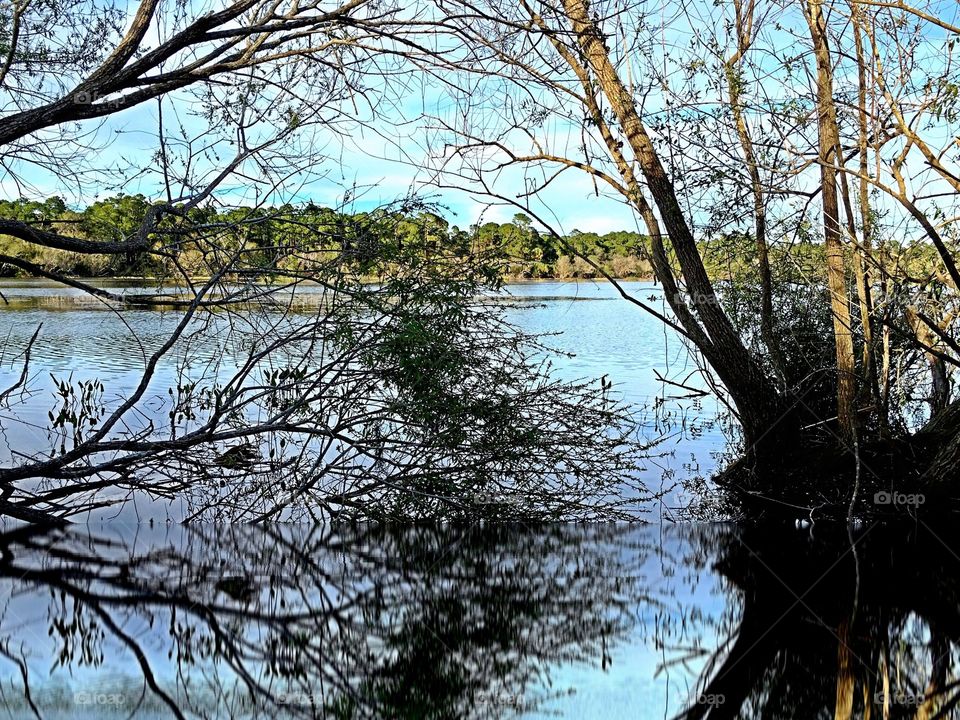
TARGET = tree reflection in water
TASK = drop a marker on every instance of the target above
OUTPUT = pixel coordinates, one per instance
(837, 624)
(478, 621)
(352, 621)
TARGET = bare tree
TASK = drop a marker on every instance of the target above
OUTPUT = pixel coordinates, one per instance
(752, 126)
(409, 397)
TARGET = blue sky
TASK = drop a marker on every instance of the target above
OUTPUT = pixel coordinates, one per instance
(363, 161)
(380, 160)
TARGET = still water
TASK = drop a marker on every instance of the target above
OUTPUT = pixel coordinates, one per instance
(659, 620)
(595, 332)
(484, 621)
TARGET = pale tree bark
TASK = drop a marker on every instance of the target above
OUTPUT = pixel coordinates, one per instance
(846, 682)
(829, 142)
(866, 220)
(632, 190)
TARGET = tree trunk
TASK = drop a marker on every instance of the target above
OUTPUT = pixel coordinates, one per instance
(845, 680)
(758, 403)
(829, 141)
(866, 222)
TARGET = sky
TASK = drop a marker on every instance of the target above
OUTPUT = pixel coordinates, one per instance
(376, 164)
(365, 162)
(374, 161)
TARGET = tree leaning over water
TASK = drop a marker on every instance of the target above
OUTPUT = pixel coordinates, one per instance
(410, 397)
(789, 124)
(772, 129)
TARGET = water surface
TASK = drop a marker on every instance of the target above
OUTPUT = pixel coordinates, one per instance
(116, 619)
(481, 621)
(595, 332)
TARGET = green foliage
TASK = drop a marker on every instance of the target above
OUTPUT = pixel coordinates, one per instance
(115, 218)
(456, 381)
(288, 237)
(803, 332)
(531, 254)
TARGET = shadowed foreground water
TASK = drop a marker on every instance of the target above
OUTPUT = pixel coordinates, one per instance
(580, 621)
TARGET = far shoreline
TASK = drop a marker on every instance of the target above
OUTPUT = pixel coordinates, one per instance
(33, 280)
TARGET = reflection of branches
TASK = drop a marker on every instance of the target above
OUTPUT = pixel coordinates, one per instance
(436, 622)
(797, 642)
(24, 675)
(21, 381)
(356, 621)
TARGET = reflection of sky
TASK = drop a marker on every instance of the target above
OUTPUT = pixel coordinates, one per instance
(643, 678)
(663, 566)
(606, 335)
(26, 609)
(26, 619)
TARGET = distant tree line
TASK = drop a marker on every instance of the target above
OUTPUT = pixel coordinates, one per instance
(276, 237)
(268, 235)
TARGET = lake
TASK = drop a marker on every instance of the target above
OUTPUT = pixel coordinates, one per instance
(480, 621)
(82, 338)
(663, 619)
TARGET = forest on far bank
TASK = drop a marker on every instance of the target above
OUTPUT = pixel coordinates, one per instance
(289, 237)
